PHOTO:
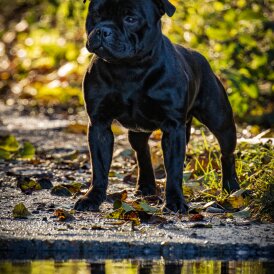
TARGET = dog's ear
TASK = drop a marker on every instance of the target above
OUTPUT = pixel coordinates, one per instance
(165, 7)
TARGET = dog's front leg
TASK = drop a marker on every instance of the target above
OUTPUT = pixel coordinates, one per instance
(174, 146)
(101, 141)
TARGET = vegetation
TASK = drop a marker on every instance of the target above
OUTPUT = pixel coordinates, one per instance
(43, 59)
(43, 54)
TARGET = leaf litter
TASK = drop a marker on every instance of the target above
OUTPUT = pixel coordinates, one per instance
(201, 186)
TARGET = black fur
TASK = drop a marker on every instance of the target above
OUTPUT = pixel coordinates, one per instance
(139, 78)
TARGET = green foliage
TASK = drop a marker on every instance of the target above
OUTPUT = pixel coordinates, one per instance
(255, 170)
(11, 149)
(236, 38)
(48, 59)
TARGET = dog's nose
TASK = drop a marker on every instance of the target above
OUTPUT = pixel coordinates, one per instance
(104, 32)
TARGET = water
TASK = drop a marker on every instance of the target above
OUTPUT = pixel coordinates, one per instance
(137, 267)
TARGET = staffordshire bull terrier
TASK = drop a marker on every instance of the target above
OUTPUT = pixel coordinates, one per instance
(142, 80)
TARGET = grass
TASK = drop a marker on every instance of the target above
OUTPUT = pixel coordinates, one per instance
(255, 169)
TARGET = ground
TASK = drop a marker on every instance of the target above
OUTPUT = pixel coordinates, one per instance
(62, 158)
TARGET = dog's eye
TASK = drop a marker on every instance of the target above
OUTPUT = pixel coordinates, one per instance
(130, 20)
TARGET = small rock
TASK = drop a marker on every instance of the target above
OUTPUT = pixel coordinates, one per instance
(44, 219)
(212, 209)
(52, 205)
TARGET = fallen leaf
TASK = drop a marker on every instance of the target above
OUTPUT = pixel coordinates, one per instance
(60, 190)
(209, 204)
(27, 151)
(117, 129)
(28, 185)
(238, 193)
(5, 154)
(201, 225)
(191, 187)
(147, 208)
(9, 143)
(235, 202)
(45, 183)
(122, 215)
(196, 217)
(127, 207)
(63, 215)
(10, 148)
(73, 187)
(20, 211)
(76, 128)
(120, 196)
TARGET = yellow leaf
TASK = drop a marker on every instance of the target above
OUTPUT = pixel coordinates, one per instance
(20, 211)
(77, 128)
(117, 129)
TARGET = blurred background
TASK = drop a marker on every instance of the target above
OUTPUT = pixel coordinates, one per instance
(43, 55)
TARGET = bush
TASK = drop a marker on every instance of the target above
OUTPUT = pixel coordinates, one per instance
(235, 35)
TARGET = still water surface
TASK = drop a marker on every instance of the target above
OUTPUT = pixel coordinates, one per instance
(137, 267)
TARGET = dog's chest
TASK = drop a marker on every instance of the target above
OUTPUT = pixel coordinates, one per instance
(139, 112)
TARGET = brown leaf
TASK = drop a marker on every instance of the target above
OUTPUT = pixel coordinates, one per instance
(73, 187)
(196, 217)
(122, 215)
(63, 215)
(120, 196)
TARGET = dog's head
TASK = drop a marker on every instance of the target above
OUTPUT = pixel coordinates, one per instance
(120, 30)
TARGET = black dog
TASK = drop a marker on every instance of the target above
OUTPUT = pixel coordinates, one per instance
(138, 77)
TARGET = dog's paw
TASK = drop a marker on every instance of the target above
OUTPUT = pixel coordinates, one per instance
(177, 205)
(231, 184)
(86, 203)
(146, 190)
(91, 201)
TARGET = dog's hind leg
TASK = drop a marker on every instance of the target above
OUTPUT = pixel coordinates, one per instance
(188, 130)
(146, 181)
(215, 112)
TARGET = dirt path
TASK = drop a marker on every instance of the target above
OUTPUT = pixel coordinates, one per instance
(63, 158)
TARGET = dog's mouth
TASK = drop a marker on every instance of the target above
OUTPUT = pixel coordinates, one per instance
(112, 52)
(105, 53)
